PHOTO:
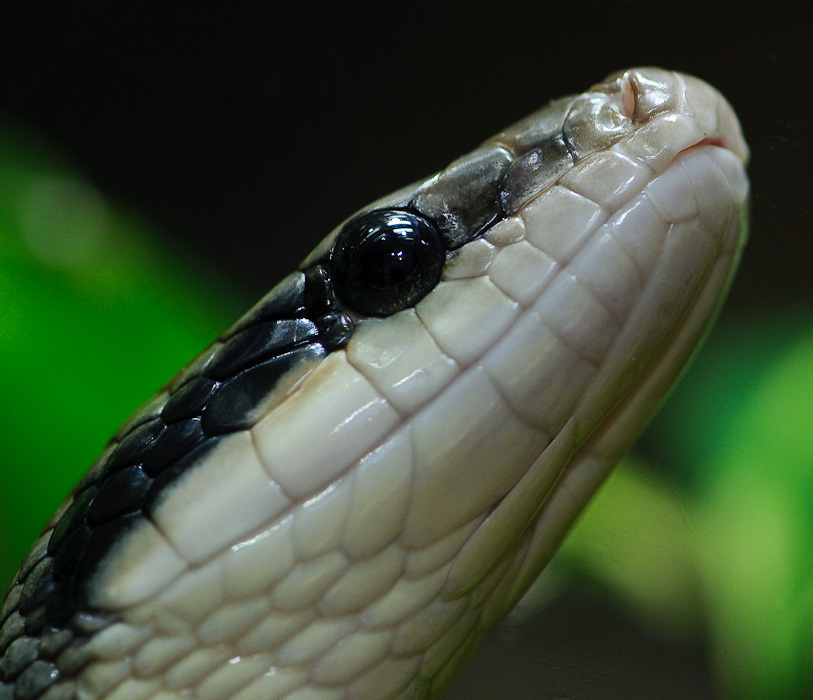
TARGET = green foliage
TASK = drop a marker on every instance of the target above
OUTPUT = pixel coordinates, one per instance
(95, 314)
(717, 541)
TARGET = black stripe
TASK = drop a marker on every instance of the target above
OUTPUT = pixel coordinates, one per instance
(47, 618)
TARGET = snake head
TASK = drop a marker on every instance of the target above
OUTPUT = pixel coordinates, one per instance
(348, 488)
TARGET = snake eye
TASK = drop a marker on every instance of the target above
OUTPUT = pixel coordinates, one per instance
(384, 261)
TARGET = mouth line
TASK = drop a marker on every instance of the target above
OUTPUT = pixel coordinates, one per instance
(719, 141)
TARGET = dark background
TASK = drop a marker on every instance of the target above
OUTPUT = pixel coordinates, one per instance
(248, 132)
(251, 131)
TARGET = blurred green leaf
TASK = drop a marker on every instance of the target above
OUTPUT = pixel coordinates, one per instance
(756, 508)
(725, 540)
(95, 314)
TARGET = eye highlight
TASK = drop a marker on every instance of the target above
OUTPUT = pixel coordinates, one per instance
(386, 260)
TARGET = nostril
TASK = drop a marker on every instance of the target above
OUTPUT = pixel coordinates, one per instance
(627, 96)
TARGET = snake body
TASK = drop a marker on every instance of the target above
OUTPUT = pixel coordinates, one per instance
(347, 489)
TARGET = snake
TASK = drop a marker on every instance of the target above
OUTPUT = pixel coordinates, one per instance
(342, 494)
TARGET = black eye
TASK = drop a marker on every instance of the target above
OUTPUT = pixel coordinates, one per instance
(384, 261)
